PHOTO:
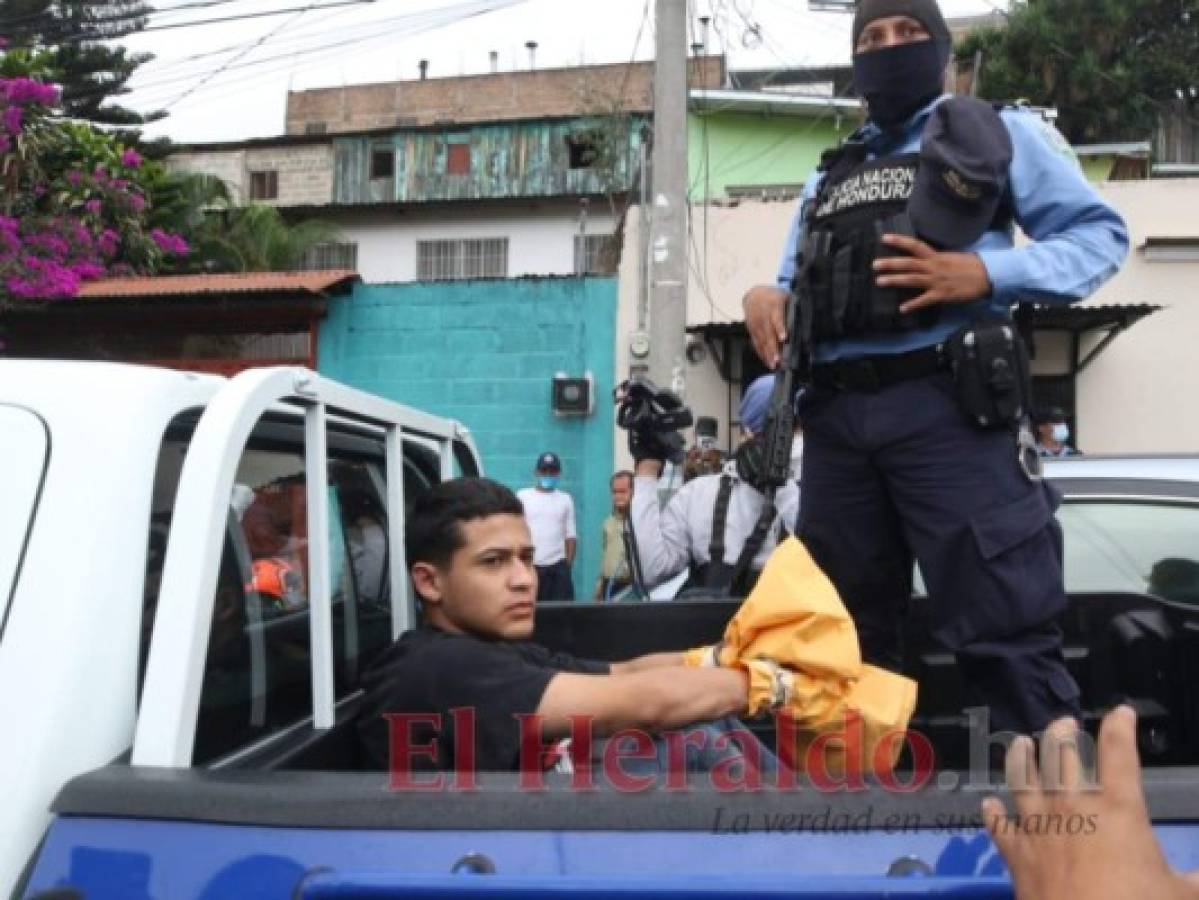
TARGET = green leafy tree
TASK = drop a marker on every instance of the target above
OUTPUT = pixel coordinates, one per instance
(75, 36)
(1110, 67)
(224, 237)
(258, 239)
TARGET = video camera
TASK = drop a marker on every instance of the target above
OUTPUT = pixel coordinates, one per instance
(652, 416)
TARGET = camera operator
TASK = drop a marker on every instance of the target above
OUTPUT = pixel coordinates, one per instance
(705, 525)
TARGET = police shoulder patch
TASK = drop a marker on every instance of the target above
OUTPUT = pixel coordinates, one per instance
(1056, 139)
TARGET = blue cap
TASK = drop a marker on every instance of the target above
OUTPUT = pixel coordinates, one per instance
(965, 153)
(548, 462)
(755, 402)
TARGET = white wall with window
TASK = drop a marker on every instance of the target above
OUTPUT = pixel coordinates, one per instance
(499, 243)
(333, 255)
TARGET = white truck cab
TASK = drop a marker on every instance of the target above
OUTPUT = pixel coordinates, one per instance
(192, 568)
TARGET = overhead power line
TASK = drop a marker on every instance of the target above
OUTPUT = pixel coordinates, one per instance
(262, 40)
(85, 38)
(411, 24)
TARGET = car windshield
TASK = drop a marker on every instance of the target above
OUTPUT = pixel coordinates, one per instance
(23, 452)
(1132, 546)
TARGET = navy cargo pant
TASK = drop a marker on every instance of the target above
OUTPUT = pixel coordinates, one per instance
(901, 472)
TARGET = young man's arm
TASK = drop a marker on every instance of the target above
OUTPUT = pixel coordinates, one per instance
(647, 662)
(659, 699)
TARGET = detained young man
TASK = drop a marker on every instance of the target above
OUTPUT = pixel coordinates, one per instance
(461, 690)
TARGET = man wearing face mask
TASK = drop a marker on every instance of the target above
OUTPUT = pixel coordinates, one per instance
(705, 526)
(1053, 434)
(903, 255)
(550, 513)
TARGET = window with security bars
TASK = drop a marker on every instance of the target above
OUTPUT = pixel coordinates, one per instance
(595, 254)
(330, 256)
(457, 260)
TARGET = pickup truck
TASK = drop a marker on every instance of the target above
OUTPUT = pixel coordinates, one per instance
(194, 572)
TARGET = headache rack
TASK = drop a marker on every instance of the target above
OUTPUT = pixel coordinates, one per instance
(166, 723)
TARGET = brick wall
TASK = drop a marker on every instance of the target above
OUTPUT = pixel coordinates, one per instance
(485, 353)
(580, 90)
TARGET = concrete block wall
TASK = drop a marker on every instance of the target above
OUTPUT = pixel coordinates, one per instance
(484, 352)
(305, 172)
(227, 165)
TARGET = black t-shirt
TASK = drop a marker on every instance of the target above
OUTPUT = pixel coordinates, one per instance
(431, 671)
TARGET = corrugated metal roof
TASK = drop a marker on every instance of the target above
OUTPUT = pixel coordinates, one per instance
(315, 283)
(1050, 318)
(773, 101)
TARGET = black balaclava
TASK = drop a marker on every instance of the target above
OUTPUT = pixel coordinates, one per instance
(898, 81)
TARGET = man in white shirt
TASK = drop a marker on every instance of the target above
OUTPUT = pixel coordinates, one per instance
(712, 516)
(551, 517)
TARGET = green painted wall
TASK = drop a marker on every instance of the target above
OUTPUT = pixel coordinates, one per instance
(726, 148)
(1097, 168)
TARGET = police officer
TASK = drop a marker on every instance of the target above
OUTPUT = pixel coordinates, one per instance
(704, 526)
(892, 466)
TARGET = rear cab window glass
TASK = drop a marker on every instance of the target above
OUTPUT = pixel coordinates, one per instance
(24, 452)
(257, 679)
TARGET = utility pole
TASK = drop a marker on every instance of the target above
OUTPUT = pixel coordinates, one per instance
(668, 212)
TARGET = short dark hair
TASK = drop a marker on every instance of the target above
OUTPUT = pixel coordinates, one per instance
(433, 531)
(623, 473)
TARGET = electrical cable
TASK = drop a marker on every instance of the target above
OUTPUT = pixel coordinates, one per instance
(262, 40)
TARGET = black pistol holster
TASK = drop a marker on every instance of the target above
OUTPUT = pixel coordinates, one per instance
(989, 363)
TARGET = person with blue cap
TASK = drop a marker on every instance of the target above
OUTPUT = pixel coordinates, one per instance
(903, 262)
(704, 527)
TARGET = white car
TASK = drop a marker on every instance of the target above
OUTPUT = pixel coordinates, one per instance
(1131, 524)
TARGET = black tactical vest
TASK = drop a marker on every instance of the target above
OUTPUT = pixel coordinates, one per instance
(858, 202)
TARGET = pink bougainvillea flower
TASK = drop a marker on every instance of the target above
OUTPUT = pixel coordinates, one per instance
(131, 159)
(12, 119)
(169, 243)
(25, 91)
(107, 242)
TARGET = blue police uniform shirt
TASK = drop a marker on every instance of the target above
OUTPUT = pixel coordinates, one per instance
(1078, 240)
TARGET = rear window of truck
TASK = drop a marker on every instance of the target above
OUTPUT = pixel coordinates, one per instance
(24, 451)
(258, 669)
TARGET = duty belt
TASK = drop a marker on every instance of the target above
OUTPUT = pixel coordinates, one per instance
(873, 373)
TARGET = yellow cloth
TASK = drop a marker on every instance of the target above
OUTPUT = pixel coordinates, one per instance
(794, 618)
